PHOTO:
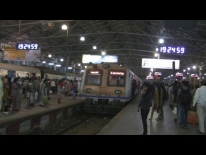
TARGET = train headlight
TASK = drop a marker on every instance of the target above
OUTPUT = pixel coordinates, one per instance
(88, 90)
(118, 91)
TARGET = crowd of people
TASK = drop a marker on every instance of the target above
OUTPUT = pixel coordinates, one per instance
(33, 90)
(181, 96)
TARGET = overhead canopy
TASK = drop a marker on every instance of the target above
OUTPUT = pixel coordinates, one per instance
(16, 67)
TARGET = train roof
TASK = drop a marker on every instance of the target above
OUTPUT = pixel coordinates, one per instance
(16, 67)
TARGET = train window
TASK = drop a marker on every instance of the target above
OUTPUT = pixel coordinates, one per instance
(94, 77)
(116, 78)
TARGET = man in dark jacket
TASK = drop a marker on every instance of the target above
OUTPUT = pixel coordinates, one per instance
(145, 104)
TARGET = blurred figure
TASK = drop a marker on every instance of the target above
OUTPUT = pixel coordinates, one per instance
(1, 91)
(200, 101)
(53, 86)
(134, 87)
(19, 94)
(170, 96)
(5, 98)
(75, 89)
(66, 88)
(162, 100)
(42, 91)
(60, 90)
(145, 104)
(185, 99)
(14, 93)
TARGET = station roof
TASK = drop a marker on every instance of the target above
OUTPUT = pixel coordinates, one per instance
(130, 40)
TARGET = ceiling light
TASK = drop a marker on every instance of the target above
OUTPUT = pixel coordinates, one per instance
(51, 63)
(94, 47)
(161, 41)
(64, 27)
(82, 38)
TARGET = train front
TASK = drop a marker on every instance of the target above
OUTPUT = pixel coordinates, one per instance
(104, 88)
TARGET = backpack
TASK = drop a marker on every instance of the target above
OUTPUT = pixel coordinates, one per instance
(185, 97)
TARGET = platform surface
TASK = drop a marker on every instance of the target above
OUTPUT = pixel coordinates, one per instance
(128, 122)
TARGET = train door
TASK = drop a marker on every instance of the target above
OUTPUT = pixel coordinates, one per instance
(11, 74)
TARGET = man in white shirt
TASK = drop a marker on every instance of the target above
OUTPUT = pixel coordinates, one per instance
(53, 86)
(200, 100)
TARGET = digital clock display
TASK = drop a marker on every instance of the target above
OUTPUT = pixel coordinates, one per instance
(172, 49)
(25, 46)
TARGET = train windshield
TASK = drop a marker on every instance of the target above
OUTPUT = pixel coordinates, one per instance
(94, 77)
(116, 78)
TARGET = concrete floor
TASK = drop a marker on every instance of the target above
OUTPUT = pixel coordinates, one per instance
(128, 122)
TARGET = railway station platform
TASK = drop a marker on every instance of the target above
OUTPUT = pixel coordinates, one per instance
(29, 118)
(128, 122)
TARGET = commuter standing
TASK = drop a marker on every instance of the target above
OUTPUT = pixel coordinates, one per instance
(42, 91)
(19, 94)
(33, 90)
(145, 104)
(1, 91)
(60, 89)
(155, 105)
(175, 102)
(14, 90)
(53, 86)
(170, 90)
(162, 100)
(75, 89)
(185, 98)
(200, 101)
(134, 87)
(5, 98)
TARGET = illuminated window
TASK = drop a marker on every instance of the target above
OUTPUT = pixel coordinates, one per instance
(93, 77)
(116, 78)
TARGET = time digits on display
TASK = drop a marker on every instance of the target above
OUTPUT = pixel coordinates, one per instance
(169, 49)
(23, 46)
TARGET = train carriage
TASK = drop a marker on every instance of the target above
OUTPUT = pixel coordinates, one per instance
(106, 88)
(14, 70)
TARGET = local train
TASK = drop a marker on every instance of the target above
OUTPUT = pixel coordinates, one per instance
(14, 70)
(106, 88)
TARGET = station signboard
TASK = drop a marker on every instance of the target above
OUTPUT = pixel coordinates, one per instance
(160, 63)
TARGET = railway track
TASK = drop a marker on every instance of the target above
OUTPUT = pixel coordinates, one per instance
(87, 124)
(71, 126)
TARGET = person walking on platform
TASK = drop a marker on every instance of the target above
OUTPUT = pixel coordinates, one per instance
(5, 98)
(175, 101)
(134, 87)
(145, 104)
(184, 98)
(42, 91)
(60, 89)
(162, 99)
(200, 101)
(75, 89)
(155, 104)
(19, 94)
(170, 95)
(53, 86)
(1, 91)
(14, 90)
